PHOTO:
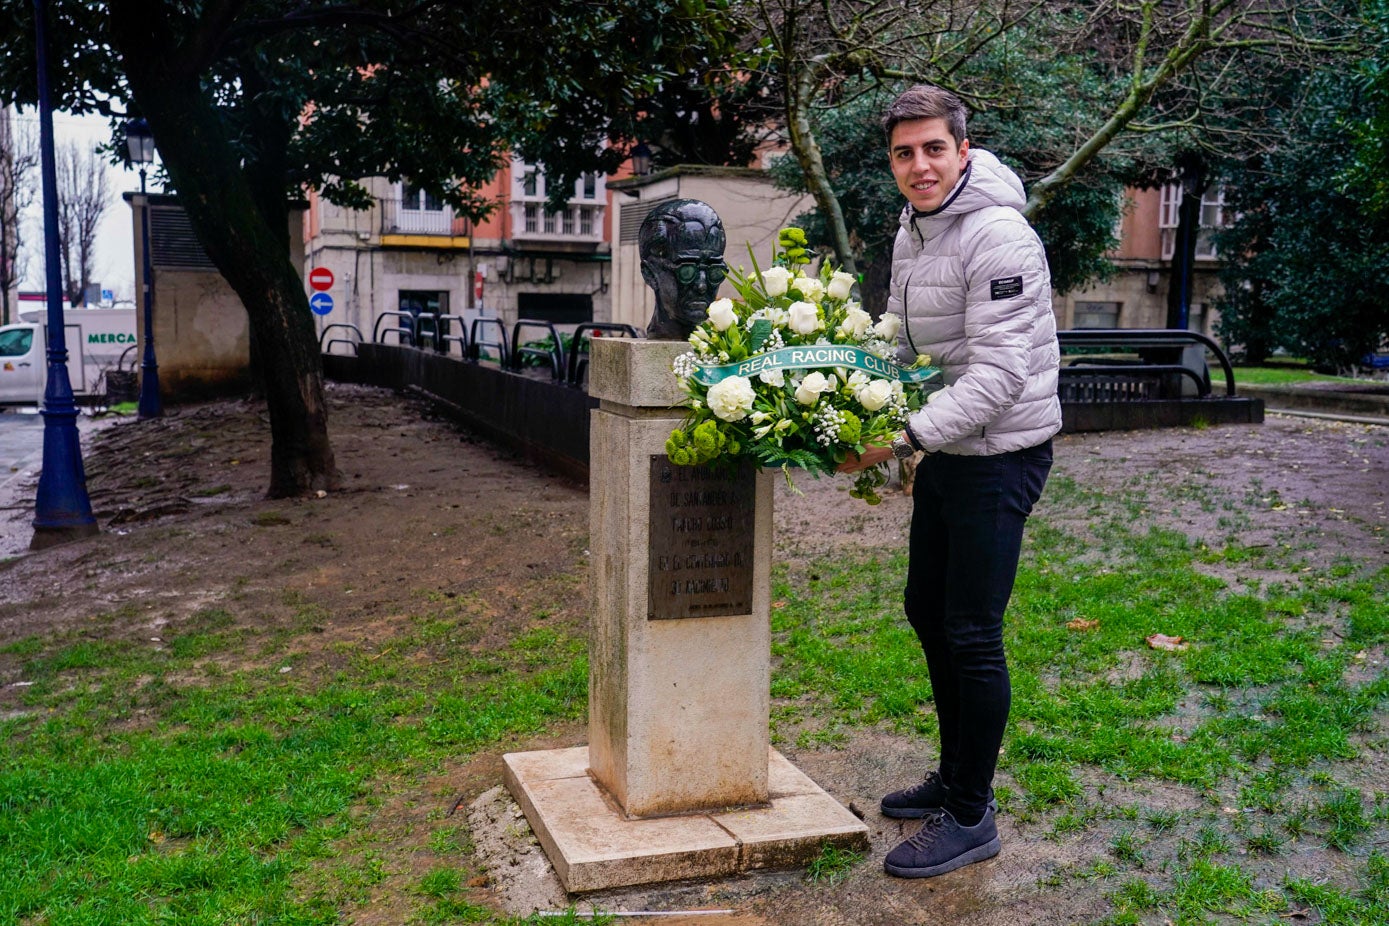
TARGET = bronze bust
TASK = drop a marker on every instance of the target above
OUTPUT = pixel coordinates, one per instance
(681, 244)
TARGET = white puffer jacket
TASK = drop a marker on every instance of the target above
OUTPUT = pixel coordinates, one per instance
(971, 283)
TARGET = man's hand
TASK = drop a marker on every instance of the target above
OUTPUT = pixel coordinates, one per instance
(871, 456)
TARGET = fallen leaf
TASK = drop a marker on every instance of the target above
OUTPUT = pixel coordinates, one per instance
(1081, 623)
(780, 603)
(1164, 642)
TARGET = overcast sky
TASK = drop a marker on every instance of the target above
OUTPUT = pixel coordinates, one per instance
(115, 261)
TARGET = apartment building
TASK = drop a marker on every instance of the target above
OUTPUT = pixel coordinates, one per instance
(410, 253)
(1136, 297)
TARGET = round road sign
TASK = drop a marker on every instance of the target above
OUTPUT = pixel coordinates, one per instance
(321, 278)
(321, 303)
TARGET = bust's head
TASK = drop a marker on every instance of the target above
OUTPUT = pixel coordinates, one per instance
(681, 244)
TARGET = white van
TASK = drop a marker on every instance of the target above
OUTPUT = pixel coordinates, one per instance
(96, 340)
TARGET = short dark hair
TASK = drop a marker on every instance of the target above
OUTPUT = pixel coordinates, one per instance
(925, 101)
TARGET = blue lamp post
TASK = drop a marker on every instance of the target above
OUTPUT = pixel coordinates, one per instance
(62, 510)
(139, 142)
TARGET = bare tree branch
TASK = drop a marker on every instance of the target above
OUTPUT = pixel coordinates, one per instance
(84, 195)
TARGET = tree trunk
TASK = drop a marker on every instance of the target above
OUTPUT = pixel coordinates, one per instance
(248, 246)
(1193, 182)
(807, 150)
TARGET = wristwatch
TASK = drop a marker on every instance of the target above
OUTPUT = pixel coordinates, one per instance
(902, 448)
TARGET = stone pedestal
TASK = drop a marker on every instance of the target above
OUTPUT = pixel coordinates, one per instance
(678, 779)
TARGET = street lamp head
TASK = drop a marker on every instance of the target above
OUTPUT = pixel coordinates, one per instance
(139, 141)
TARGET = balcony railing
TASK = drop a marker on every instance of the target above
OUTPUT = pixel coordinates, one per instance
(405, 218)
(579, 222)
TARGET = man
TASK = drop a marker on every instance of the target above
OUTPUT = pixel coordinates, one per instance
(970, 280)
(681, 244)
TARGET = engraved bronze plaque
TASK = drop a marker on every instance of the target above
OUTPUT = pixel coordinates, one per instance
(701, 535)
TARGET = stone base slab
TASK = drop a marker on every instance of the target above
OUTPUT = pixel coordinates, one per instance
(594, 845)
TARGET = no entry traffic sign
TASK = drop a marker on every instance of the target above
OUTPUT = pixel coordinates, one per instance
(321, 278)
(321, 303)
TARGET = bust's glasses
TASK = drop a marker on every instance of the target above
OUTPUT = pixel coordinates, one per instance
(687, 271)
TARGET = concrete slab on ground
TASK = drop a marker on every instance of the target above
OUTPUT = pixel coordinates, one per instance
(594, 845)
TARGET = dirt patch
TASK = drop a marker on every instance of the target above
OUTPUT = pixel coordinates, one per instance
(427, 509)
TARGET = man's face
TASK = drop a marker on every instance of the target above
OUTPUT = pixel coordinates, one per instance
(926, 161)
(690, 280)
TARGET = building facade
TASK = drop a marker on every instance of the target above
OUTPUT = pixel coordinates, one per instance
(409, 253)
(1136, 296)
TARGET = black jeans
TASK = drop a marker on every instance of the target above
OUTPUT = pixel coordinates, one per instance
(966, 534)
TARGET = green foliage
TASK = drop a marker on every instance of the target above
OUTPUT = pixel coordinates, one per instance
(1306, 253)
(391, 89)
(1030, 133)
(1368, 174)
(832, 865)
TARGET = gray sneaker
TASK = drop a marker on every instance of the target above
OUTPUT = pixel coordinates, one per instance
(921, 799)
(943, 845)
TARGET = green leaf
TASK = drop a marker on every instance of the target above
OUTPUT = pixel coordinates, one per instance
(761, 331)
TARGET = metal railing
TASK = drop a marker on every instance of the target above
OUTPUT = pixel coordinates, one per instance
(577, 364)
(477, 343)
(325, 343)
(550, 355)
(405, 333)
(461, 338)
(399, 218)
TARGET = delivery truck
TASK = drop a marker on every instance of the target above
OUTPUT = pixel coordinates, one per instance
(96, 341)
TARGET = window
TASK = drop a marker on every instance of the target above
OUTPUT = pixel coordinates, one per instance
(580, 219)
(1096, 315)
(1212, 217)
(419, 211)
(16, 342)
(418, 199)
(416, 301)
(425, 302)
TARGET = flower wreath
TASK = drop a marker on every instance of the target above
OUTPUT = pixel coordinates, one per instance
(794, 373)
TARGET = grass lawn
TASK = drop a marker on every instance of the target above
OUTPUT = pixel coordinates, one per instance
(1271, 709)
(162, 784)
(1286, 376)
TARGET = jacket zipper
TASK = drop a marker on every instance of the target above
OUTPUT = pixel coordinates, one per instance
(906, 316)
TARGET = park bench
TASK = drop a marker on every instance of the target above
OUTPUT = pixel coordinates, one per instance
(1124, 378)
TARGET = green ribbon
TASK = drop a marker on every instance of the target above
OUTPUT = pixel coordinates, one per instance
(804, 358)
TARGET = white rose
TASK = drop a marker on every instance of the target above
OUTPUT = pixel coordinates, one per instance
(775, 280)
(731, 399)
(803, 318)
(721, 314)
(775, 377)
(887, 326)
(857, 380)
(855, 323)
(808, 392)
(875, 395)
(841, 284)
(809, 287)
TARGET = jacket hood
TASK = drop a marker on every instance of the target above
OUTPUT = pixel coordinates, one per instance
(986, 181)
